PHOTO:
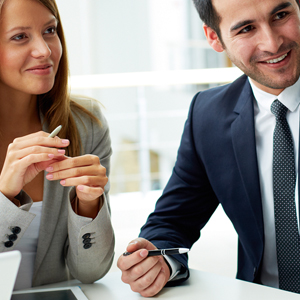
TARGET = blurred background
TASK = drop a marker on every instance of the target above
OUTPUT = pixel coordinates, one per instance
(144, 60)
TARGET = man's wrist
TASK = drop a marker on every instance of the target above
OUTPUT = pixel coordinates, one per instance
(173, 265)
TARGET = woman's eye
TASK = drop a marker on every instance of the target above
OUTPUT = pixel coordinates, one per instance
(51, 30)
(19, 37)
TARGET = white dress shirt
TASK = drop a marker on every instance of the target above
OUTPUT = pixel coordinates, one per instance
(264, 128)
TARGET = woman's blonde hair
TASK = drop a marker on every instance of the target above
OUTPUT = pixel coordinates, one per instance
(56, 105)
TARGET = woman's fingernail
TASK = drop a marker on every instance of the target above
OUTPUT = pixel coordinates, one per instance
(49, 169)
(61, 151)
(65, 141)
(80, 187)
(62, 182)
(50, 155)
(49, 176)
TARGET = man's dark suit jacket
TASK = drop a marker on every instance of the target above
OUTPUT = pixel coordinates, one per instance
(216, 163)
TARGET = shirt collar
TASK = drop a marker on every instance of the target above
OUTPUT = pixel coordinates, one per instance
(290, 96)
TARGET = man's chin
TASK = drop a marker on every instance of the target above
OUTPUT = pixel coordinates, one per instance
(279, 81)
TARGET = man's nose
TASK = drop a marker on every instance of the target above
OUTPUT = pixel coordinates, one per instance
(270, 40)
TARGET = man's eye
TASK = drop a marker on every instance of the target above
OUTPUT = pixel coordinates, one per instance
(280, 15)
(246, 29)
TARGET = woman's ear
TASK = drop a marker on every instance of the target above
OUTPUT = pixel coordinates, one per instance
(213, 39)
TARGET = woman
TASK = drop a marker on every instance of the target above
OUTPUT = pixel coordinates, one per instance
(53, 191)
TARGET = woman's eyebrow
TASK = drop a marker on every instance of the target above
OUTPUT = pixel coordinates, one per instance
(18, 28)
(28, 27)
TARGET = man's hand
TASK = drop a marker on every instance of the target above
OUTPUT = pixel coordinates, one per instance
(145, 275)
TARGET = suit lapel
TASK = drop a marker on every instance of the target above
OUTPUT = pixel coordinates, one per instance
(244, 144)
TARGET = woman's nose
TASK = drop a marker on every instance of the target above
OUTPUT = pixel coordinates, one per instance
(40, 48)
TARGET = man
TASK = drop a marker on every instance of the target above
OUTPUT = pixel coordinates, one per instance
(237, 149)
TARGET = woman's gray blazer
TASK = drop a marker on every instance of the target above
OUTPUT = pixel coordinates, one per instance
(61, 253)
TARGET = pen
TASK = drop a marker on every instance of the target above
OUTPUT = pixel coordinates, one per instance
(55, 131)
(171, 251)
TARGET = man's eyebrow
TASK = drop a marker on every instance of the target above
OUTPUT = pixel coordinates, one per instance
(240, 24)
(26, 28)
(247, 22)
(280, 7)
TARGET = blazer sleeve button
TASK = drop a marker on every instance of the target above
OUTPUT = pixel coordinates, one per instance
(86, 241)
(87, 246)
(86, 236)
(16, 230)
(8, 244)
(13, 237)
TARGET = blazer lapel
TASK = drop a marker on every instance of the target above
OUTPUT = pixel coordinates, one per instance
(244, 144)
(50, 214)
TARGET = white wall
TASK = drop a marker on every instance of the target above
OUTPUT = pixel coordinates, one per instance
(111, 36)
(215, 252)
(131, 36)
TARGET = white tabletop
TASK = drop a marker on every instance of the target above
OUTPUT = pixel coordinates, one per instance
(200, 285)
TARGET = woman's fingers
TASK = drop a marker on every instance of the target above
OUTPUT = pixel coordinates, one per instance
(26, 156)
(76, 172)
(27, 152)
(83, 170)
(87, 193)
(37, 139)
(76, 162)
(85, 176)
(19, 172)
(92, 181)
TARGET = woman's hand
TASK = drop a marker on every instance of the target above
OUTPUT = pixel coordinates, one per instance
(26, 157)
(87, 174)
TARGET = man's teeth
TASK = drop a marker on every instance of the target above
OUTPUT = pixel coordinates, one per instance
(276, 60)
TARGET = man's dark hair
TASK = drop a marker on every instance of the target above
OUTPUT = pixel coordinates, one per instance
(209, 15)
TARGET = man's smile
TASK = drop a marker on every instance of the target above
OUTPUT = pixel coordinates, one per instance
(276, 60)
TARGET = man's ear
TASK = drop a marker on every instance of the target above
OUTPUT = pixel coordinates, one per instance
(213, 39)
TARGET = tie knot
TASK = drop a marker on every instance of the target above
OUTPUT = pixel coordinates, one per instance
(278, 109)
